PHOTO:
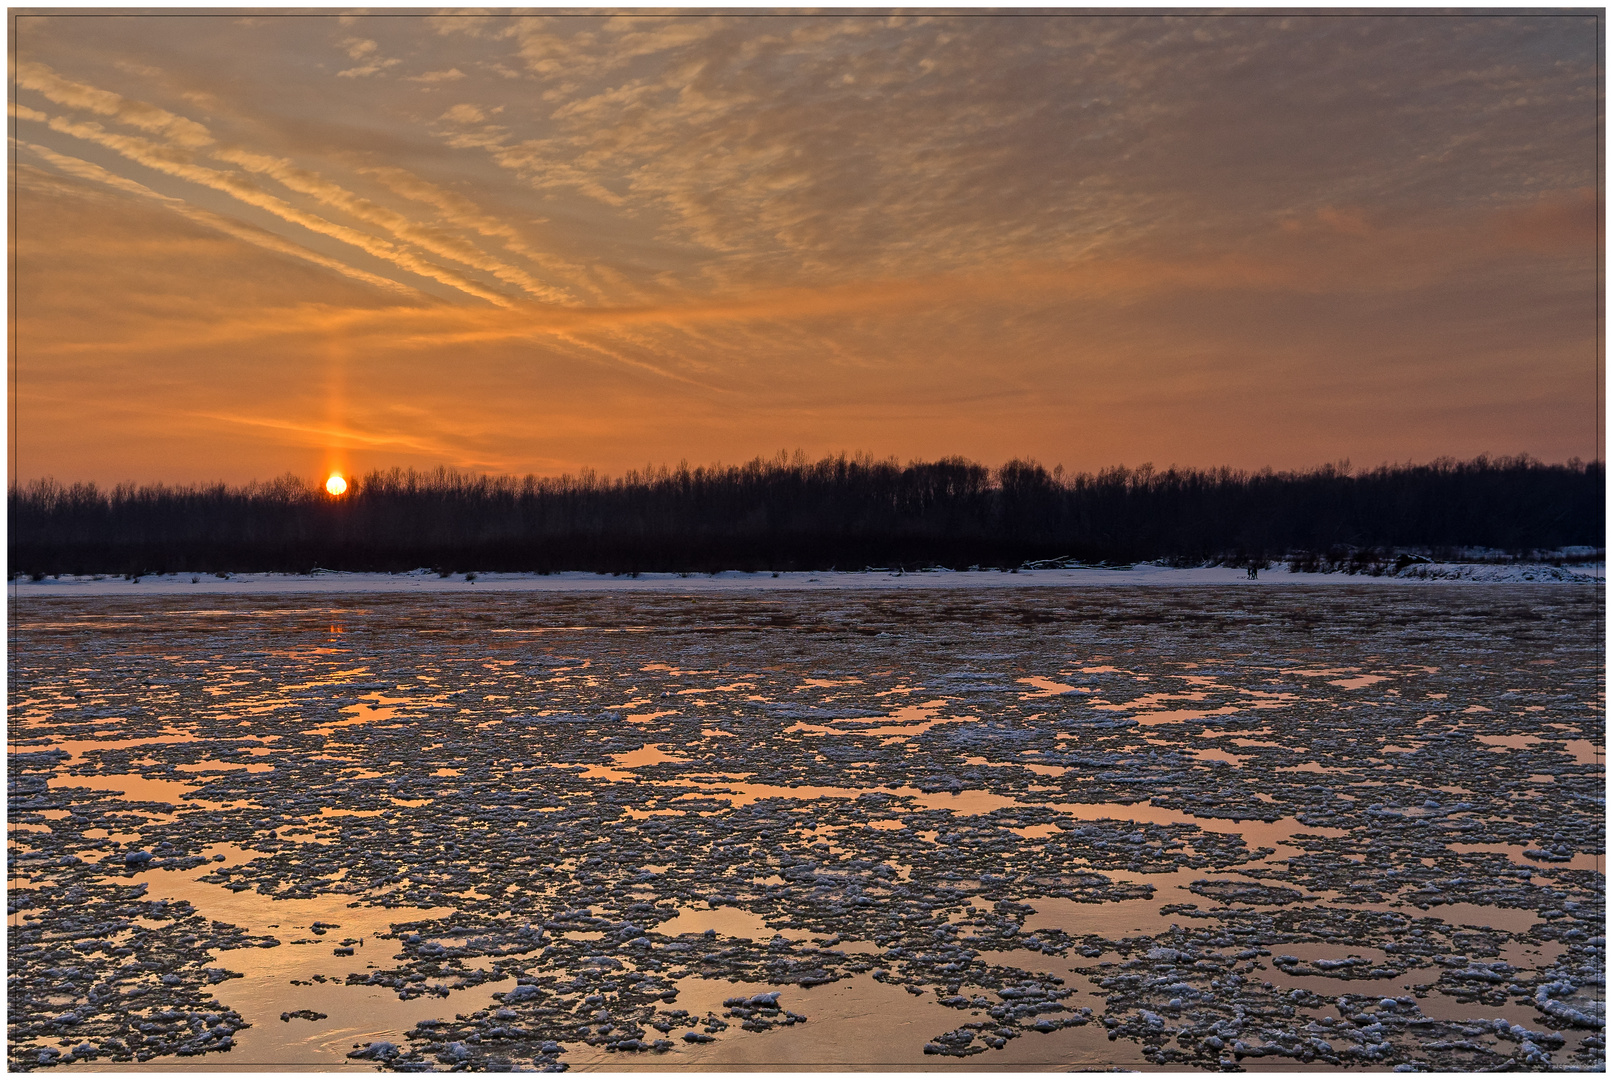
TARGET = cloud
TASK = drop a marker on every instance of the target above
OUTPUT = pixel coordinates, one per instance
(460, 212)
(1316, 261)
(85, 170)
(367, 69)
(799, 148)
(468, 21)
(451, 75)
(366, 51)
(731, 214)
(176, 160)
(163, 159)
(138, 114)
(400, 225)
(330, 436)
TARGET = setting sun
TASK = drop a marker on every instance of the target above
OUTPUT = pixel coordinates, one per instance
(843, 374)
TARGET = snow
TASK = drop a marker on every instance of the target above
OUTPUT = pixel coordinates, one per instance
(426, 581)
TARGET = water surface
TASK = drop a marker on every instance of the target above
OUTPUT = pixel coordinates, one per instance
(1049, 828)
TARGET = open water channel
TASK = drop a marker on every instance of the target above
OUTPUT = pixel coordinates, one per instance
(1158, 828)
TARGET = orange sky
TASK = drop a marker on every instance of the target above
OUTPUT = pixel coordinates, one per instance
(247, 246)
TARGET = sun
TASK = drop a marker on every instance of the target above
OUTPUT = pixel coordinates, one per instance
(336, 485)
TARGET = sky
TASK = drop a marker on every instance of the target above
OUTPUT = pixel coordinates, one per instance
(247, 246)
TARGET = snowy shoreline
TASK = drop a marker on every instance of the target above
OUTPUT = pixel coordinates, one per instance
(1145, 574)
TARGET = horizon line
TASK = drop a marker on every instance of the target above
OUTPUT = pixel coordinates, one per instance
(783, 460)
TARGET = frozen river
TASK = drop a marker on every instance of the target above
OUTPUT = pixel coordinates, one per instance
(952, 828)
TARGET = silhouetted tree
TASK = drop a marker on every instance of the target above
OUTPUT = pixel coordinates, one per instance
(791, 513)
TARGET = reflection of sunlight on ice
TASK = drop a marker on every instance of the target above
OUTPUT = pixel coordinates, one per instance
(136, 788)
(211, 765)
(1212, 754)
(354, 1013)
(822, 742)
(1359, 681)
(1046, 688)
(649, 754)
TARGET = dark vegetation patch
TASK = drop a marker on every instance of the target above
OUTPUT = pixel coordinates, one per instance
(783, 514)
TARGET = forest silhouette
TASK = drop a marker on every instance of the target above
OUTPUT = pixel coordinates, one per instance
(789, 513)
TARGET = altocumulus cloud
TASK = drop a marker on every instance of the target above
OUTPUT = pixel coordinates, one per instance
(617, 220)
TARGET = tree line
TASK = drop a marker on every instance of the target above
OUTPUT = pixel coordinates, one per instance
(788, 513)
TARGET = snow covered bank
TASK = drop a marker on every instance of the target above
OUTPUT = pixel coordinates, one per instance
(427, 581)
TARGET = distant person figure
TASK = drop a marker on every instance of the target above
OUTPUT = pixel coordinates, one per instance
(1254, 571)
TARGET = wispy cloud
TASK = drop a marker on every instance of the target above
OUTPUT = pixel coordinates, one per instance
(422, 236)
(346, 438)
(138, 114)
(631, 228)
(257, 237)
(450, 75)
(178, 163)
